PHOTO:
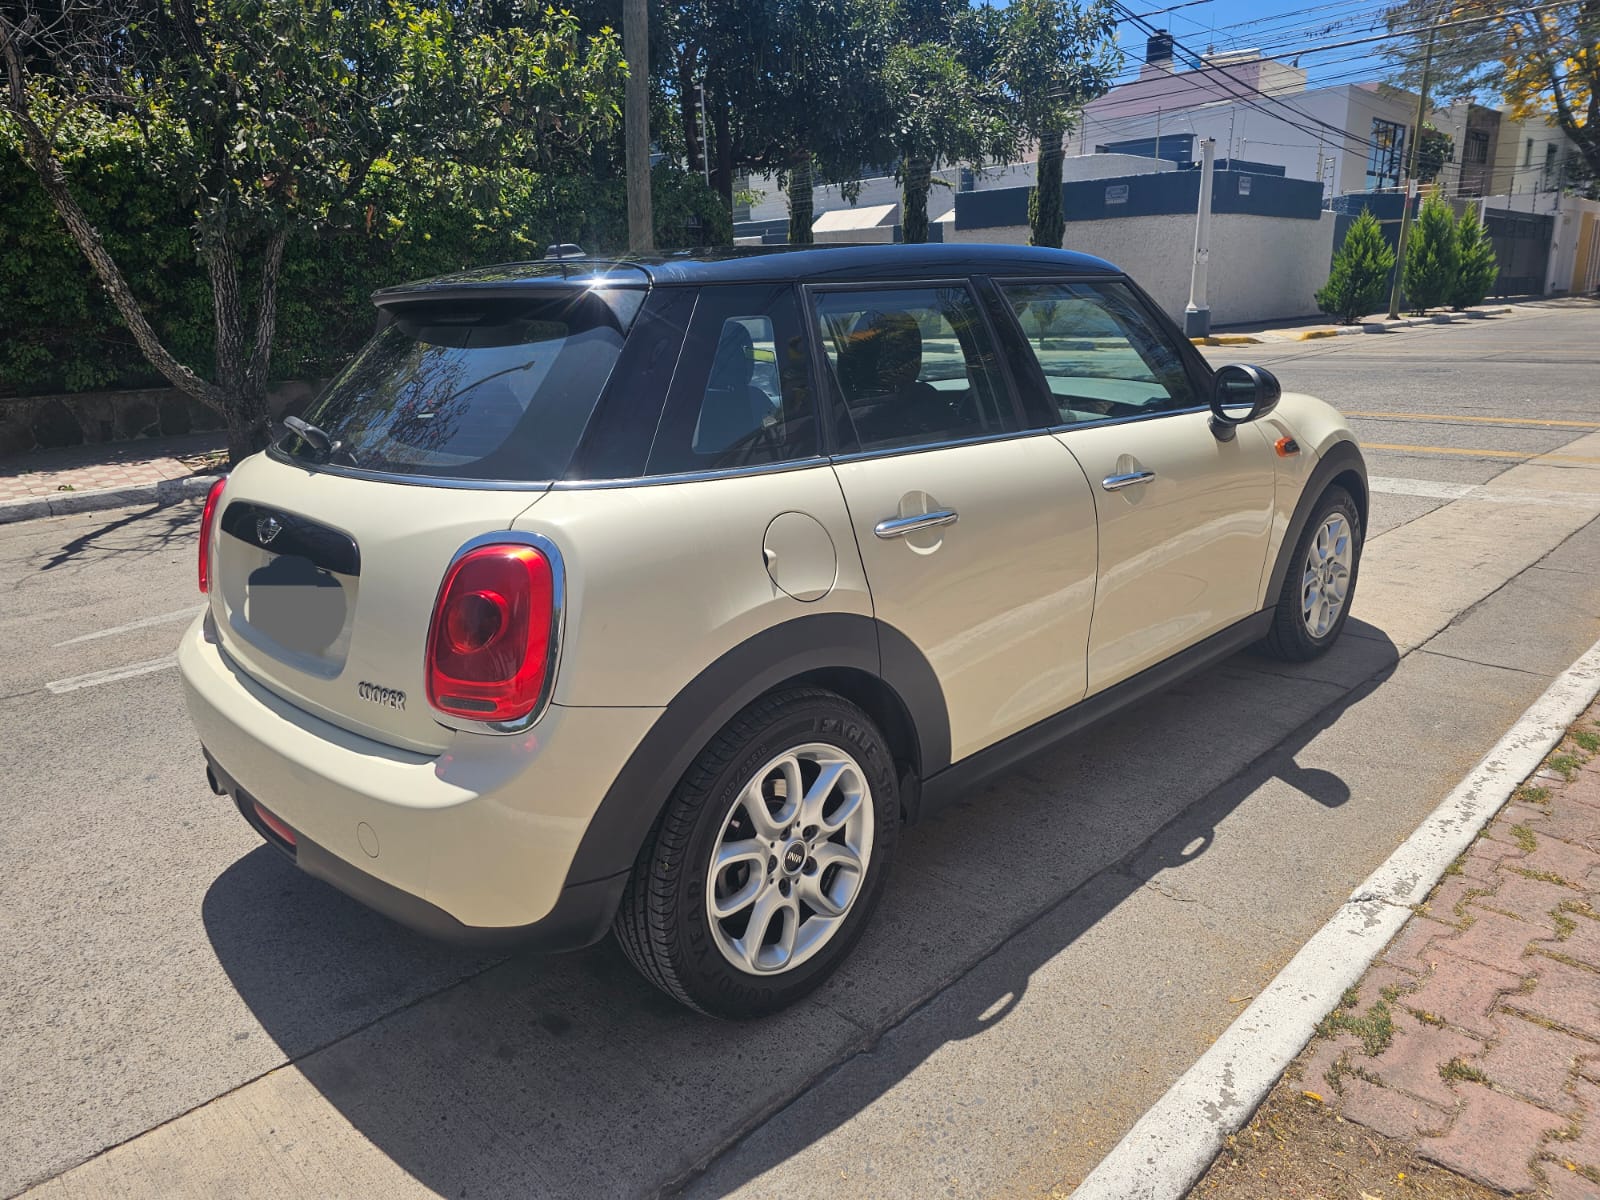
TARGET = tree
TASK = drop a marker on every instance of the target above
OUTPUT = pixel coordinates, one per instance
(1359, 278)
(1435, 149)
(1430, 267)
(937, 109)
(269, 116)
(1056, 56)
(1476, 268)
(1543, 58)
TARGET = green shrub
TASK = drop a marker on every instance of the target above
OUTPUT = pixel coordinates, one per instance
(1476, 268)
(1430, 269)
(59, 333)
(1359, 277)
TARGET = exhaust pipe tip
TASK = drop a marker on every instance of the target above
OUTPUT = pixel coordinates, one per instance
(216, 784)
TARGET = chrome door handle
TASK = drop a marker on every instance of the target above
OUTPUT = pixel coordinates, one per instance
(1115, 483)
(895, 527)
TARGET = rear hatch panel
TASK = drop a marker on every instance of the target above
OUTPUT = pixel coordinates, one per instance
(330, 609)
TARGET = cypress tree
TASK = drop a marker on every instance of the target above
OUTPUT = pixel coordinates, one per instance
(1359, 277)
(1475, 262)
(1430, 271)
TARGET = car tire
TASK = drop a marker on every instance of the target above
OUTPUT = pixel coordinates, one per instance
(666, 923)
(1320, 584)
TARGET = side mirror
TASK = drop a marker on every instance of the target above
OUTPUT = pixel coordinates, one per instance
(1242, 393)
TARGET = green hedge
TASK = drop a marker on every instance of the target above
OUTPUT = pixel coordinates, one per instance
(58, 332)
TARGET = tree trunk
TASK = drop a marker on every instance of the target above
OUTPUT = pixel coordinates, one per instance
(914, 200)
(800, 203)
(242, 369)
(689, 114)
(722, 171)
(1045, 217)
(40, 156)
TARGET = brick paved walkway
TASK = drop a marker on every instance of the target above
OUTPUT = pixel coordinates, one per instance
(102, 465)
(1476, 1035)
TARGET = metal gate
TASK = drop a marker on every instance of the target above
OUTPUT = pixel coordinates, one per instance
(1522, 248)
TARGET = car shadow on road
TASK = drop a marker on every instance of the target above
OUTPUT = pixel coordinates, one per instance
(570, 1076)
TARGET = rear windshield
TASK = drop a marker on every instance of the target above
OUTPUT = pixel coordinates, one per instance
(492, 389)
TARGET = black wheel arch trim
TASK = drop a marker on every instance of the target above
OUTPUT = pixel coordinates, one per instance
(791, 651)
(1342, 458)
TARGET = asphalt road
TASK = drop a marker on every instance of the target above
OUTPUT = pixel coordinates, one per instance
(1051, 954)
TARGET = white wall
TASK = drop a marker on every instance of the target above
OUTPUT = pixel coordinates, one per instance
(1262, 268)
(774, 204)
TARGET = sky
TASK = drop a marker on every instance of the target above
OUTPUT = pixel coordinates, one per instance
(1277, 27)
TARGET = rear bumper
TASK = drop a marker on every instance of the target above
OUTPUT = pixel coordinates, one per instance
(581, 916)
(474, 845)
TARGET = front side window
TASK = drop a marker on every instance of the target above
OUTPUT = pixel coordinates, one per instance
(470, 389)
(742, 393)
(1100, 353)
(913, 366)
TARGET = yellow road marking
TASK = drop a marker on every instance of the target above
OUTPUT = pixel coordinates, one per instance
(1411, 416)
(1468, 452)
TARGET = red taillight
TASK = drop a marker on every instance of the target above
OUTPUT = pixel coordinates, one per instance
(207, 520)
(489, 642)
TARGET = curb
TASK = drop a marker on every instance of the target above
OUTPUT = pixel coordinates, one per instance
(1309, 335)
(1170, 1147)
(161, 492)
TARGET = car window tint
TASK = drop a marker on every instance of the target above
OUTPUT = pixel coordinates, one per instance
(913, 366)
(491, 389)
(742, 393)
(1101, 354)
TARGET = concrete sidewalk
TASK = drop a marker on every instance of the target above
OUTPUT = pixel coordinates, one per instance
(1312, 328)
(1474, 1041)
(108, 475)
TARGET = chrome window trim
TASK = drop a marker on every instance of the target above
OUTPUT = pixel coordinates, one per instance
(1069, 426)
(558, 612)
(796, 464)
(920, 447)
(441, 481)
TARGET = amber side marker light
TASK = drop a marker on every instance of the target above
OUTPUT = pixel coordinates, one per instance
(1286, 447)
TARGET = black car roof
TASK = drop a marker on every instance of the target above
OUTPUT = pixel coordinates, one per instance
(778, 264)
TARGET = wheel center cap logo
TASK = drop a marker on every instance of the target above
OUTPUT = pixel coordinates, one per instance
(794, 857)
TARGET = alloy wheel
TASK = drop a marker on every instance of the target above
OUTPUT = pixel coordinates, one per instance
(1325, 580)
(790, 859)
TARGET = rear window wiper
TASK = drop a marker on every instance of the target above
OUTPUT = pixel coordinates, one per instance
(318, 439)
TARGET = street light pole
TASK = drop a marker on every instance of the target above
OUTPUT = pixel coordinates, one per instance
(636, 119)
(1197, 316)
(1411, 172)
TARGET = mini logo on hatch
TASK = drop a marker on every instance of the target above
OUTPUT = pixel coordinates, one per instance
(388, 697)
(268, 528)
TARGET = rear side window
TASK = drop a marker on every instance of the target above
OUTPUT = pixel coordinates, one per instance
(742, 395)
(914, 366)
(492, 389)
(1101, 354)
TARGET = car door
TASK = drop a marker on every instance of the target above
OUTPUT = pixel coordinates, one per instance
(1184, 515)
(977, 535)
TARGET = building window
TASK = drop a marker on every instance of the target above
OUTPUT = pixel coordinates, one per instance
(1550, 171)
(1387, 154)
(1527, 154)
(1477, 147)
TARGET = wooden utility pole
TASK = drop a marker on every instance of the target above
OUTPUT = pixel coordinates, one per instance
(1411, 172)
(636, 119)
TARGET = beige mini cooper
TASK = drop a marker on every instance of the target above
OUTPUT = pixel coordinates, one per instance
(655, 595)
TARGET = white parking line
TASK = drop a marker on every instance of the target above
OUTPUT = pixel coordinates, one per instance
(1434, 489)
(182, 614)
(95, 678)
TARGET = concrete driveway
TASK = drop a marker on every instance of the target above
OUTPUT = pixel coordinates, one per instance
(184, 1014)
